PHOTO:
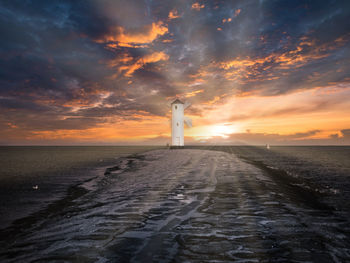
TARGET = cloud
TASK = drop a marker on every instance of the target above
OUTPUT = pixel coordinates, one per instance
(251, 138)
(334, 136)
(135, 38)
(345, 133)
(300, 135)
(250, 69)
(173, 14)
(228, 20)
(193, 93)
(83, 65)
(298, 138)
(132, 66)
(197, 6)
(237, 12)
(284, 111)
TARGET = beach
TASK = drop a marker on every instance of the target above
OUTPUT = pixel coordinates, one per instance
(183, 205)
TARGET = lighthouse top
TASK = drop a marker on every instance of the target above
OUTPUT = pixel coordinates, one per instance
(177, 101)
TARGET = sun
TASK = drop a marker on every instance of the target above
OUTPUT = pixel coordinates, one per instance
(222, 130)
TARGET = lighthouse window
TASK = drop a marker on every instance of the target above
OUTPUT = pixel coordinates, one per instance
(175, 107)
(177, 124)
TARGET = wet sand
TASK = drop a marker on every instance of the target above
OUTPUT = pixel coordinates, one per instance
(183, 206)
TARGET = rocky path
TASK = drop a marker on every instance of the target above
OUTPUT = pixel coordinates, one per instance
(184, 206)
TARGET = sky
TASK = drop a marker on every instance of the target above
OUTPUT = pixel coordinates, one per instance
(105, 72)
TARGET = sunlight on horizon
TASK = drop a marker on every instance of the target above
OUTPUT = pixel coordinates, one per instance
(114, 70)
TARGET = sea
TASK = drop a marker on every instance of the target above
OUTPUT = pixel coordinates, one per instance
(324, 170)
(47, 193)
(33, 177)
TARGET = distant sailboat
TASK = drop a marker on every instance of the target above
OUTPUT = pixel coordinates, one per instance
(268, 146)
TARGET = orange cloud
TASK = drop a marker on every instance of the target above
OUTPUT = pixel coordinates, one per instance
(124, 58)
(173, 14)
(150, 58)
(239, 63)
(226, 20)
(246, 68)
(193, 93)
(213, 101)
(237, 12)
(283, 114)
(113, 131)
(133, 39)
(83, 99)
(296, 57)
(292, 116)
(11, 125)
(197, 6)
(253, 69)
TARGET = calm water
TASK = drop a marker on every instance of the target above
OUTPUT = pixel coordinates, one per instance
(186, 205)
(323, 169)
(268, 205)
(53, 170)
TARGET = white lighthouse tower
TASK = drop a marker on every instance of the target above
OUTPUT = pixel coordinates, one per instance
(177, 123)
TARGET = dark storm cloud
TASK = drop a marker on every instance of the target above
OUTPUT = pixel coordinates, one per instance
(64, 62)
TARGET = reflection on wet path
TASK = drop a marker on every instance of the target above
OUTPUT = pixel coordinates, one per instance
(184, 205)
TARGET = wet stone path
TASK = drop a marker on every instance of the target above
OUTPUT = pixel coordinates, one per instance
(185, 206)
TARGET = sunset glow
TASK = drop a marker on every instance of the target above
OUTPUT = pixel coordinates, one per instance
(105, 72)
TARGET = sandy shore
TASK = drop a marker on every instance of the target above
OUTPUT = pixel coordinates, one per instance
(184, 206)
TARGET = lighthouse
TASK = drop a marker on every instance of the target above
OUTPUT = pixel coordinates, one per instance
(177, 123)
